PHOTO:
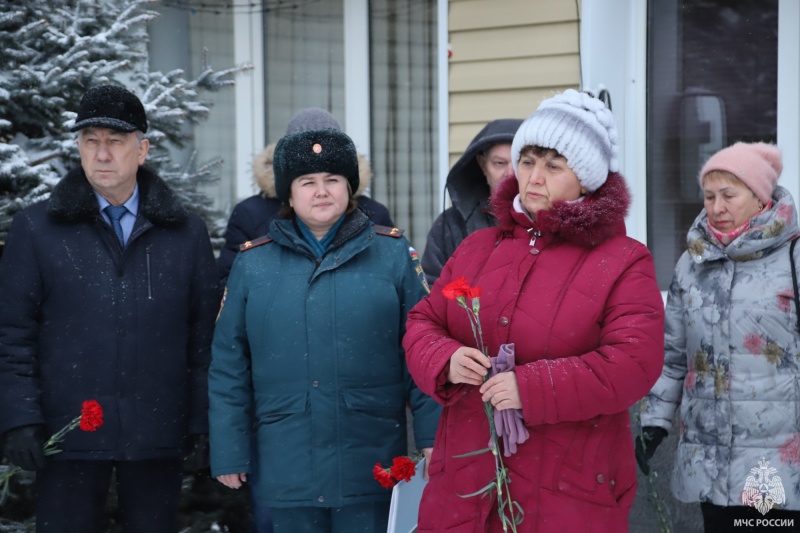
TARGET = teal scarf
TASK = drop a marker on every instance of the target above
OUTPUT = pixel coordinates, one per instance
(319, 246)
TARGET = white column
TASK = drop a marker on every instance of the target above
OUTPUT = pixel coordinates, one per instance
(248, 38)
(443, 103)
(788, 95)
(356, 74)
(613, 48)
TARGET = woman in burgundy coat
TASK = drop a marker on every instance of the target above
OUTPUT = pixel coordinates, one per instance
(579, 300)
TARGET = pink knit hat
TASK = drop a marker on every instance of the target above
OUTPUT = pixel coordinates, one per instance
(758, 165)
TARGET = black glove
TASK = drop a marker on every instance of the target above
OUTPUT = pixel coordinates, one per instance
(198, 455)
(646, 445)
(24, 446)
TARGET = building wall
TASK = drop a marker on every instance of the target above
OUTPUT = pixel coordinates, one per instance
(506, 57)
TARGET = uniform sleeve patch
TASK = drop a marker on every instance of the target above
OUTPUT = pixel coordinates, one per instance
(418, 268)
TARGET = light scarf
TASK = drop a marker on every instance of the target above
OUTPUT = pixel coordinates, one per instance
(727, 237)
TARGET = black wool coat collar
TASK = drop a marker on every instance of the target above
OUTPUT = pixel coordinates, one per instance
(73, 199)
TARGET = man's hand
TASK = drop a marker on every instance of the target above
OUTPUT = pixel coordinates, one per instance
(24, 447)
(502, 390)
(232, 481)
(468, 365)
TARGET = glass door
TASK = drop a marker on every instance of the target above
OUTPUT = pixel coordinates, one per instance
(712, 78)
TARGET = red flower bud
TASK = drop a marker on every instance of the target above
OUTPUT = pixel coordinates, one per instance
(456, 288)
(382, 476)
(474, 292)
(91, 415)
(403, 468)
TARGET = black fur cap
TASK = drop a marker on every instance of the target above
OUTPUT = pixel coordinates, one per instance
(307, 152)
(113, 107)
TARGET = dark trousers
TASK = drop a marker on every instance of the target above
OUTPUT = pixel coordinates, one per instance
(361, 518)
(741, 519)
(71, 495)
(262, 516)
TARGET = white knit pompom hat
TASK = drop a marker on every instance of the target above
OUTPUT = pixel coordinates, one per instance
(577, 126)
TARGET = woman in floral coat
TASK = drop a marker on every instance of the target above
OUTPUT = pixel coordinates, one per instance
(732, 348)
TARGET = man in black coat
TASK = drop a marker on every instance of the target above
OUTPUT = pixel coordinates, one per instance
(107, 292)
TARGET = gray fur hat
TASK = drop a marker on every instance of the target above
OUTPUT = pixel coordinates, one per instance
(307, 152)
(312, 118)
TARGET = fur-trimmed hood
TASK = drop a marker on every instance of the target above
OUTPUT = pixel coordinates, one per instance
(73, 199)
(599, 217)
(264, 175)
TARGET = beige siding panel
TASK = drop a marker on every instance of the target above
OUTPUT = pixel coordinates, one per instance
(514, 73)
(508, 55)
(525, 41)
(461, 135)
(482, 107)
(477, 14)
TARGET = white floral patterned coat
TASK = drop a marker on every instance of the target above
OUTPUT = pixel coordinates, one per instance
(732, 360)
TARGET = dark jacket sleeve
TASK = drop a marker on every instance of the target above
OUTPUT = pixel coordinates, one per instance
(376, 211)
(205, 304)
(249, 220)
(443, 238)
(21, 294)
(236, 233)
(230, 385)
(424, 409)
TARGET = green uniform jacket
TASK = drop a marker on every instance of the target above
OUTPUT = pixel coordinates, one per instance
(308, 384)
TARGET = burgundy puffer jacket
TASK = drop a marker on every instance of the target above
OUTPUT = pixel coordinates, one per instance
(583, 308)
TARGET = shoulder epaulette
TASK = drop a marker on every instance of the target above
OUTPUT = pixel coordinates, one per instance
(249, 245)
(389, 232)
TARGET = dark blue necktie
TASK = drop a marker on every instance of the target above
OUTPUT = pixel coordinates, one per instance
(115, 213)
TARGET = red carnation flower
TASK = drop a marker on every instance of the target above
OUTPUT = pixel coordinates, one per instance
(458, 288)
(382, 476)
(91, 415)
(403, 468)
(90, 419)
(473, 292)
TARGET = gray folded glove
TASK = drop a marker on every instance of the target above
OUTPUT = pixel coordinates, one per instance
(509, 423)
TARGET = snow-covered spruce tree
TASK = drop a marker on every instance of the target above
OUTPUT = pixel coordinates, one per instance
(52, 52)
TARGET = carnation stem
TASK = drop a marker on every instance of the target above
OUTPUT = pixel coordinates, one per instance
(507, 517)
(50, 448)
(500, 474)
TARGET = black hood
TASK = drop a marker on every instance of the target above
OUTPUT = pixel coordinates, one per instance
(466, 183)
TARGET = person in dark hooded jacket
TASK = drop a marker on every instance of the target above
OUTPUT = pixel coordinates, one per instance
(107, 293)
(485, 163)
(251, 217)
